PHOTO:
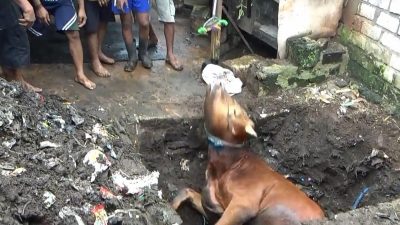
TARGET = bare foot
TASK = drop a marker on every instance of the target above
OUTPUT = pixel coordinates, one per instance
(100, 71)
(29, 87)
(85, 82)
(105, 59)
(174, 63)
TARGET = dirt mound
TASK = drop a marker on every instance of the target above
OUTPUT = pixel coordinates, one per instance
(49, 154)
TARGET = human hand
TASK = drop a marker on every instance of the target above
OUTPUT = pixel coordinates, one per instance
(81, 18)
(28, 17)
(43, 15)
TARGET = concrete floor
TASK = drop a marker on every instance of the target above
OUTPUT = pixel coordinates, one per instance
(159, 92)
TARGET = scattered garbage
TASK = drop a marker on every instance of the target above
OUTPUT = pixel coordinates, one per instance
(43, 143)
(14, 173)
(184, 164)
(213, 74)
(98, 160)
(100, 214)
(9, 144)
(107, 194)
(359, 198)
(48, 199)
(67, 211)
(48, 144)
(135, 185)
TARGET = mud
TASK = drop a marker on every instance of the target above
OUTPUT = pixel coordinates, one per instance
(330, 157)
(29, 119)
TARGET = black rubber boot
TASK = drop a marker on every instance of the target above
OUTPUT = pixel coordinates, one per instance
(132, 57)
(143, 54)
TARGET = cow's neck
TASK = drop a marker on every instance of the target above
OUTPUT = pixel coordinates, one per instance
(222, 159)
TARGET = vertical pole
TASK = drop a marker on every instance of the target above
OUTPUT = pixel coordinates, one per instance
(216, 36)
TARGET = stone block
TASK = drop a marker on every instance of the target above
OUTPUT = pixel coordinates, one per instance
(303, 52)
(378, 51)
(333, 53)
(367, 11)
(371, 30)
(391, 41)
(269, 75)
(395, 6)
(241, 64)
(383, 4)
(388, 21)
(395, 61)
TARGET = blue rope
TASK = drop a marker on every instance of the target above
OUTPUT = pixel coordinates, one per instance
(360, 197)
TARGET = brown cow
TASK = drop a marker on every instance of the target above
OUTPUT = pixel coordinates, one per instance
(241, 187)
(313, 18)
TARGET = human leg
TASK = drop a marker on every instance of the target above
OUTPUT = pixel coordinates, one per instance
(106, 15)
(15, 54)
(127, 34)
(166, 13)
(92, 27)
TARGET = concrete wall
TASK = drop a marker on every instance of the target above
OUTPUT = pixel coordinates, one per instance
(370, 29)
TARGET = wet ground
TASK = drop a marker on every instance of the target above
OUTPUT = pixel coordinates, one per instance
(150, 93)
(331, 153)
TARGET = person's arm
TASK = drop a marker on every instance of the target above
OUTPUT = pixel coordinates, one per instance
(28, 15)
(81, 13)
(41, 12)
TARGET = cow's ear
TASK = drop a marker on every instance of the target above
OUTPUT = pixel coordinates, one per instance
(250, 130)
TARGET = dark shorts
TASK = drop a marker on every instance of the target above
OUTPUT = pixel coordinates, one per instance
(14, 47)
(96, 14)
(138, 6)
(65, 16)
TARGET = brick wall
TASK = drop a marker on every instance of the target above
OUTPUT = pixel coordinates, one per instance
(372, 26)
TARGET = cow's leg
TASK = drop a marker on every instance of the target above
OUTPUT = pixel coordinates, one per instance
(188, 194)
(237, 214)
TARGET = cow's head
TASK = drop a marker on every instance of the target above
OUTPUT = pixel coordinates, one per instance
(225, 118)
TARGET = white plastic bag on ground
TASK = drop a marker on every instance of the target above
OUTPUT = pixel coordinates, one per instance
(135, 185)
(214, 74)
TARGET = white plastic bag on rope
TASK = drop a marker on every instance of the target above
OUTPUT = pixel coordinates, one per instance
(213, 74)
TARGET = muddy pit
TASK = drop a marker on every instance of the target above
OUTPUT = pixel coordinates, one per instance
(332, 159)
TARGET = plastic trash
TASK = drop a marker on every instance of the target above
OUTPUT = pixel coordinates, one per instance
(10, 143)
(48, 199)
(98, 160)
(78, 120)
(14, 173)
(135, 185)
(214, 74)
(107, 194)
(52, 162)
(48, 144)
(67, 211)
(100, 214)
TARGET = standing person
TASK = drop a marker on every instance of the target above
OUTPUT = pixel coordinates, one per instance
(98, 15)
(68, 22)
(14, 43)
(166, 14)
(141, 9)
